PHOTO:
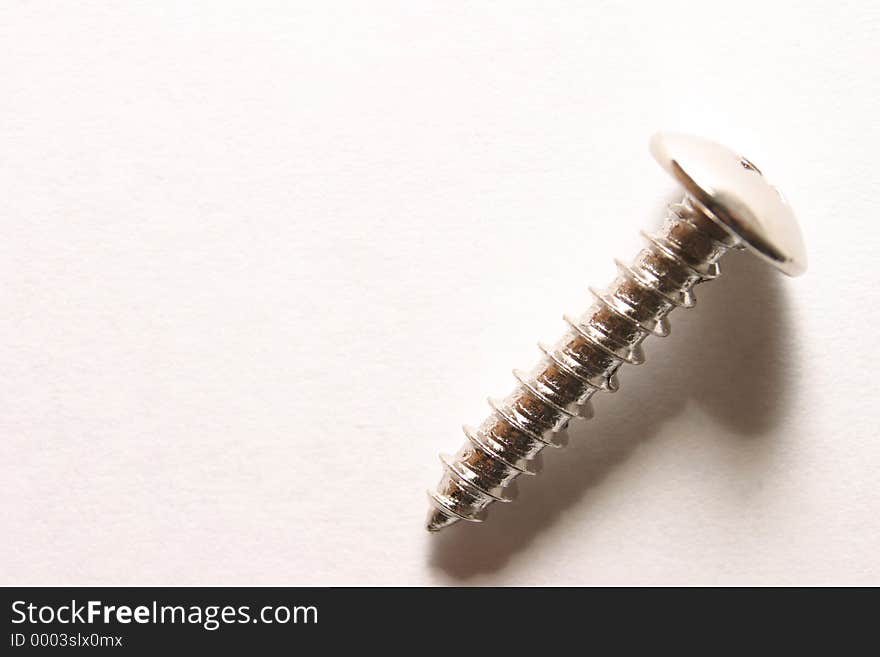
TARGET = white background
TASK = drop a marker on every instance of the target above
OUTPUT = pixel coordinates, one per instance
(259, 262)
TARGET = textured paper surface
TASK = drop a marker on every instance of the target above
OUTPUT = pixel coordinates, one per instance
(259, 263)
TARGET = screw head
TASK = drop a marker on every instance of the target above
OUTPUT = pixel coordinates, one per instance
(736, 194)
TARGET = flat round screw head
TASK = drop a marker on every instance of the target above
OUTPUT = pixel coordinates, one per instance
(737, 195)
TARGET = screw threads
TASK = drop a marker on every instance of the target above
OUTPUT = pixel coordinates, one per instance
(509, 442)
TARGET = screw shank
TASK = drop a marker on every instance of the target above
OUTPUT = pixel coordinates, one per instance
(509, 442)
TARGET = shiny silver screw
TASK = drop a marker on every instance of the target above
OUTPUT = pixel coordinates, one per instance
(727, 204)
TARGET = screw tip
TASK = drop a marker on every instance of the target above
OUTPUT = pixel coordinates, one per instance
(437, 520)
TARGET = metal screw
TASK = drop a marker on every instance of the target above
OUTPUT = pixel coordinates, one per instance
(727, 204)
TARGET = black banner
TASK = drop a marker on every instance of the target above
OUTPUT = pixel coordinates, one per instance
(147, 620)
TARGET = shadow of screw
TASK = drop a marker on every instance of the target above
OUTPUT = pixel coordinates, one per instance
(723, 355)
